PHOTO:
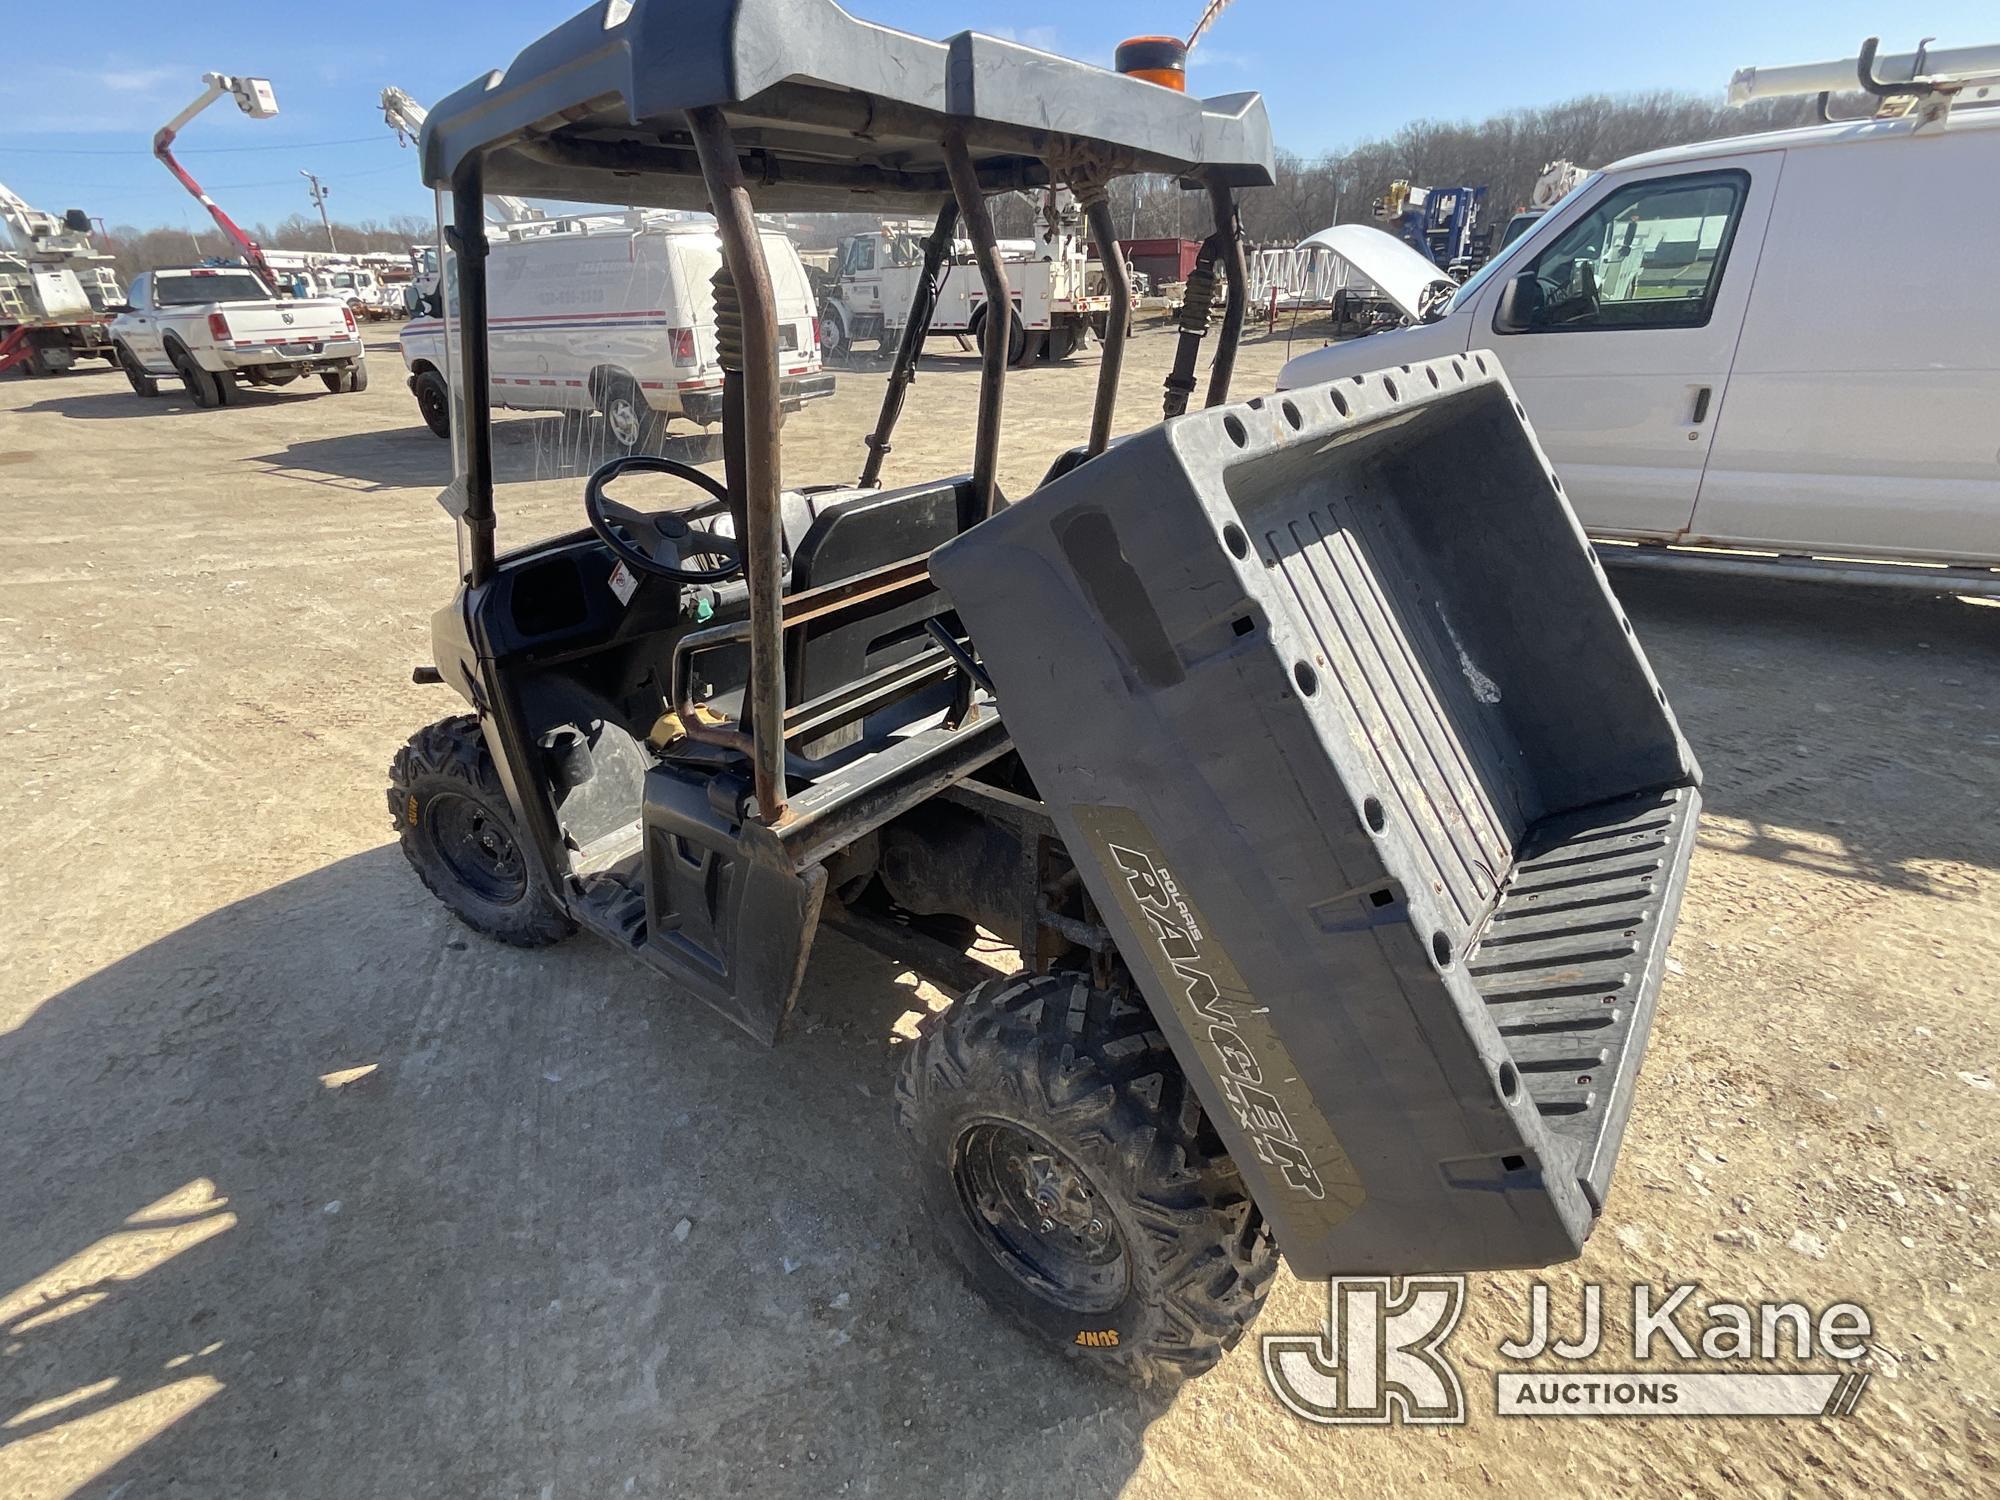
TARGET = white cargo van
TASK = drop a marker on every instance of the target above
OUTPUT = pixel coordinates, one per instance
(1788, 343)
(616, 315)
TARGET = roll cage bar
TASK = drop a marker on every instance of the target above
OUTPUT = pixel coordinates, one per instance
(696, 105)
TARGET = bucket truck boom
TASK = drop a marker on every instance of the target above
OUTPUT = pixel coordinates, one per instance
(254, 97)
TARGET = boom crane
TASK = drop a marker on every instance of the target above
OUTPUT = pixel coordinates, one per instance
(406, 117)
(254, 97)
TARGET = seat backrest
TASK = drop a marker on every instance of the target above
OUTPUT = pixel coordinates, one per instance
(851, 535)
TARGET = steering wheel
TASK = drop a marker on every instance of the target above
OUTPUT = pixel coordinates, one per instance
(659, 542)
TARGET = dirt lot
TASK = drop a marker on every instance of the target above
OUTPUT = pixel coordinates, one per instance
(308, 1191)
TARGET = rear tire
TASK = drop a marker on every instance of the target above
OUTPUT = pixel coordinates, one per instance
(459, 835)
(1072, 1173)
(135, 373)
(1017, 336)
(632, 425)
(346, 381)
(434, 401)
(204, 389)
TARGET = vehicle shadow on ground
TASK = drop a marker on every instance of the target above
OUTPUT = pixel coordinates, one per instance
(1782, 688)
(354, 1202)
(122, 403)
(525, 450)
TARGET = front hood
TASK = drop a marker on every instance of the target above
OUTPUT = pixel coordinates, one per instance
(1398, 270)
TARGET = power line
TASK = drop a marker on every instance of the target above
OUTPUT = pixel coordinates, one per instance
(352, 140)
(228, 187)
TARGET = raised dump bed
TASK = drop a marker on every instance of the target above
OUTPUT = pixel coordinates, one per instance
(1370, 769)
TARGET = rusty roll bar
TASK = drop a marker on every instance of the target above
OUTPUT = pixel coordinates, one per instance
(972, 209)
(1229, 230)
(1105, 233)
(763, 552)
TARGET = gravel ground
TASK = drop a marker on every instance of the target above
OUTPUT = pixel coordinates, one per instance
(309, 1191)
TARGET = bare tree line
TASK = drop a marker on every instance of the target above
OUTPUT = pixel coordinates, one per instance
(1507, 152)
(134, 249)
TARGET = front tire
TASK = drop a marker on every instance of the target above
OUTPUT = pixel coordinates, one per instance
(1072, 1173)
(135, 373)
(458, 834)
(834, 344)
(434, 401)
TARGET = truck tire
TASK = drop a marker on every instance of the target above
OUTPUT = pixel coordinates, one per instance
(1071, 1171)
(135, 373)
(433, 400)
(632, 424)
(458, 834)
(203, 389)
(833, 340)
(345, 382)
(1064, 340)
(1017, 336)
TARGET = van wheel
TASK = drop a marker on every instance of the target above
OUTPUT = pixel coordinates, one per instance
(1076, 1181)
(203, 389)
(634, 426)
(434, 401)
(142, 383)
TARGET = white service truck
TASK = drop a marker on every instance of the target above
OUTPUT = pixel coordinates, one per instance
(1048, 278)
(211, 327)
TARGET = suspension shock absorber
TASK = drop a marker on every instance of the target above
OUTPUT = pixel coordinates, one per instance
(1197, 303)
(729, 354)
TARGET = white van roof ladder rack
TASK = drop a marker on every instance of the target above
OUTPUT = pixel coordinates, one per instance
(1922, 83)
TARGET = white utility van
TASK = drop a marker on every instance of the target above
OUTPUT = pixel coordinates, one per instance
(1786, 343)
(616, 315)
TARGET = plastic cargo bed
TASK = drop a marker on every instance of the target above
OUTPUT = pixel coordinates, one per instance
(1364, 769)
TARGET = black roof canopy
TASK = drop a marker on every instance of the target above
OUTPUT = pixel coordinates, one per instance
(824, 107)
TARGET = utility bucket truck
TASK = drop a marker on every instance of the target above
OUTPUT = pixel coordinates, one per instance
(876, 276)
(55, 289)
(1296, 746)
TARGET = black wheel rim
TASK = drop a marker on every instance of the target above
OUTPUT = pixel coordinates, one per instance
(430, 401)
(1040, 1216)
(477, 847)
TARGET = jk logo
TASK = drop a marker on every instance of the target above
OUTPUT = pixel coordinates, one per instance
(1380, 1357)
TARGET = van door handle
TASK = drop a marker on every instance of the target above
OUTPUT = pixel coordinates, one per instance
(1700, 405)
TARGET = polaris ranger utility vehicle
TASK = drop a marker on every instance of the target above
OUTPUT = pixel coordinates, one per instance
(1296, 745)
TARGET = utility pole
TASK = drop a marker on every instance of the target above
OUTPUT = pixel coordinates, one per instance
(319, 202)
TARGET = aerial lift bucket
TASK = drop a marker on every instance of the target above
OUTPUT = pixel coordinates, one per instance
(1363, 767)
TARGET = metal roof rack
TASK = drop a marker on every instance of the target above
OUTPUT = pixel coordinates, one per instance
(1922, 83)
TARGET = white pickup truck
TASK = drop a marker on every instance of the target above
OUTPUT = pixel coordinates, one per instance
(212, 326)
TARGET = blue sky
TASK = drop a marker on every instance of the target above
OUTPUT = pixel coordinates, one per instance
(88, 83)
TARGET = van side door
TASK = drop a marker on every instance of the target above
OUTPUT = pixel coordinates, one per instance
(1618, 331)
(1864, 404)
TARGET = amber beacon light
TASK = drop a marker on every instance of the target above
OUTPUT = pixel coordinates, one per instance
(1157, 59)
